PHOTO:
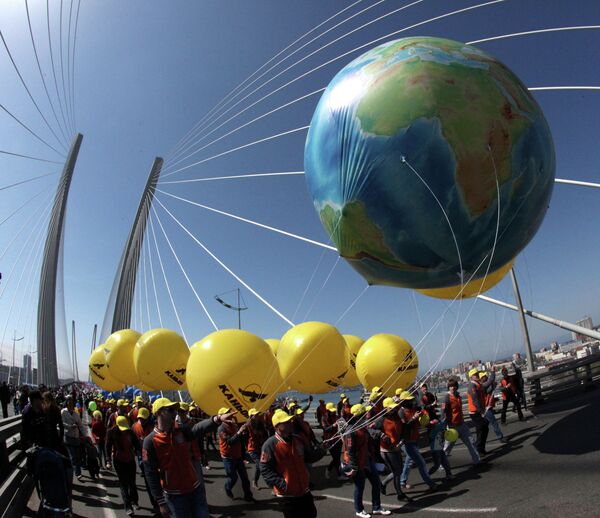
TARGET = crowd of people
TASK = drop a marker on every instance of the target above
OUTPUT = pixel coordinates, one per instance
(378, 439)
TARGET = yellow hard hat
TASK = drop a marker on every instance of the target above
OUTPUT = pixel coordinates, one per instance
(399, 391)
(252, 412)
(424, 419)
(406, 396)
(184, 406)
(143, 413)
(97, 413)
(299, 411)
(358, 409)
(473, 372)
(122, 423)
(342, 396)
(483, 374)
(331, 407)
(163, 402)
(119, 402)
(368, 408)
(389, 402)
(138, 399)
(280, 417)
(223, 410)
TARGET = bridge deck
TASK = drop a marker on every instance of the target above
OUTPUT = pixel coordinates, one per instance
(550, 468)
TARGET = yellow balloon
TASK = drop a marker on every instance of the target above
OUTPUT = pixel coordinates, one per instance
(160, 358)
(144, 387)
(119, 355)
(313, 357)
(353, 343)
(235, 369)
(273, 344)
(387, 361)
(470, 289)
(99, 371)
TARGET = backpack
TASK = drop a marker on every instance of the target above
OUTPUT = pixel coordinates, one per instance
(50, 471)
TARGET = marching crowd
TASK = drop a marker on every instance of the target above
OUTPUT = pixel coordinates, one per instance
(168, 442)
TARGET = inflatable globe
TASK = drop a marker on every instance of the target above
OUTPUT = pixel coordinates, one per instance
(420, 136)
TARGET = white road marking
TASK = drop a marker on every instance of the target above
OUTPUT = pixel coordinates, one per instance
(428, 509)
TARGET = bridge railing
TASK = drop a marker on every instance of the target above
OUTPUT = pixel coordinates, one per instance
(15, 485)
(564, 379)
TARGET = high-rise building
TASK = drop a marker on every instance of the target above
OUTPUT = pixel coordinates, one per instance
(584, 322)
(27, 374)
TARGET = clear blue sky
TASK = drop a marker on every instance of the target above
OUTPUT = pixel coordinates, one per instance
(146, 72)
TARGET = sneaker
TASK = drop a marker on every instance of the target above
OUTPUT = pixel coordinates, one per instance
(363, 514)
(381, 511)
(229, 493)
(80, 478)
(129, 511)
(135, 506)
(406, 486)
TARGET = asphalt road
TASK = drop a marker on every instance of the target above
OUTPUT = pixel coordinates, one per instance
(551, 467)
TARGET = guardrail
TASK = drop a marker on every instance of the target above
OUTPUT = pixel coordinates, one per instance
(564, 379)
(15, 486)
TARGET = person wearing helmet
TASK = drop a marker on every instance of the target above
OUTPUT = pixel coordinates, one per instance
(360, 465)
(175, 483)
(123, 447)
(477, 408)
(99, 436)
(409, 416)
(257, 435)
(230, 446)
(453, 413)
(329, 423)
(283, 462)
(490, 402)
(509, 395)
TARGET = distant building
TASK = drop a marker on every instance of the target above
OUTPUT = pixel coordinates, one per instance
(27, 374)
(584, 322)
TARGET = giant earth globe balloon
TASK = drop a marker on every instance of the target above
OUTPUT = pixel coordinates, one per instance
(424, 153)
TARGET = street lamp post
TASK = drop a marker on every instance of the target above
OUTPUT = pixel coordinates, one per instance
(14, 341)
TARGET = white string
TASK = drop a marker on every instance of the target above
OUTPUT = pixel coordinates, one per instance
(319, 49)
(226, 268)
(154, 284)
(162, 268)
(239, 218)
(337, 260)
(282, 134)
(183, 270)
(234, 177)
(190, 134)
(538, 31)
(308, 284)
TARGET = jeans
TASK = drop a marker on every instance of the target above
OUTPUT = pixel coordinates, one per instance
(192, 505)
(393, 460)
(101, 453)
(440, 459)
(491, 419)
(465, 437)
(255, 456)
(126, 475)
(75, 456)
(368, 472)
(412, 453)
(298, 507)
(233, 469)
(482, 428)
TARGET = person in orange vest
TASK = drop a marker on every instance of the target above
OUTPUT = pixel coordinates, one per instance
(477, 408)
(329, 422)
(390, 442)
(509, 395)
(230, 447)
(361, 466)
(453, 413)
(257, 435)
(490, 402)
(283, 466)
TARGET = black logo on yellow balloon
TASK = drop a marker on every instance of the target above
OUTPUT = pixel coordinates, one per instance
(412, 362)
(95, 368)
(252, 393)
(337, 380)
(232, 400)
(176, 375)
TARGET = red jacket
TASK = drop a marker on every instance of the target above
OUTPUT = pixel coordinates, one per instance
(168, 460)
(122, 445)
(452, 408)
(230, 444)
(142, 430)
(283, 465)
(392, 432)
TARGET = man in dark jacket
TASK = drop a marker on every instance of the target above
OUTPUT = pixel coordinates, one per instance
(4, 399)
(283, 466)
(175, 482)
